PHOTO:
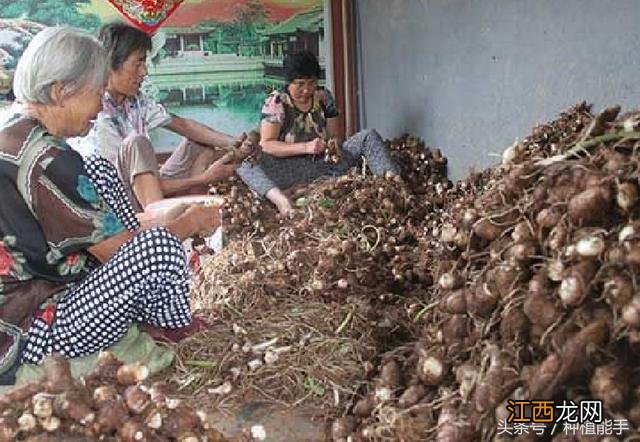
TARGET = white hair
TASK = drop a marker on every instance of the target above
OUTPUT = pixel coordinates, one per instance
(59, 55)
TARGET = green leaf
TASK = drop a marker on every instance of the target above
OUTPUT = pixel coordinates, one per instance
(301, 202)
(345, 348)
(327, 203)
(201, 363)
(344, 229)
(314, 386)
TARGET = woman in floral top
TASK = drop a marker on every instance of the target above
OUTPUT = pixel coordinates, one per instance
(296, 126)
(75, 267)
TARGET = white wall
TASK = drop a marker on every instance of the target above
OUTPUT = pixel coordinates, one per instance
(471, 75)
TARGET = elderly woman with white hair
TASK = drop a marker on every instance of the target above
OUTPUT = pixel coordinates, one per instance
(76, 269)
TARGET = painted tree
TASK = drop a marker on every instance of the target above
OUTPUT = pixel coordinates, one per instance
(252, 13)
(50, 12)
(248, 20)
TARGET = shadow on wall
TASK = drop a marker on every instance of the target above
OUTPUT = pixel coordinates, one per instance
(413, 120)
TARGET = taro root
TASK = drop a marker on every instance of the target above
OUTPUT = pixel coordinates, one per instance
(74, 405)
(614, 161)
(8, 428)
(132, 430)
(514, 325)
(522, 232)
(158, 394)
(111, 414)
(520, 177)
(618, 290)
(432, 368)
(57, 372)
(19, 394)
(411, 396)
(631, 313)
(505, 277)
(496, 382)
(365, 406)
(104, 372)
(180, 422)
(590, 246)
(452, 427)
(487, 230)
(136, 399)
(511, 153)
(558, 368)
(608, 385)
(632, 254)
(50, 424)
(615, 255)
(598, 125)
(455, 302)
(466, 376)
(390, 375)
(132, 373)
(629, 232)
(27, 422)
(480, 301)
(545, 374)
(557, 237)
(627, 196)
(539, 283)
(469, 217)
(548, 218)
(590, 206)
(450, 280)
(42, 405)
(342, 428)
(455, 329)
(555, 270)
(152, 417)
(521, 252)
(574, 287)
(104, 393)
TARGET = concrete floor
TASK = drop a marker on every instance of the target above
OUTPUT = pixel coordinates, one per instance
(279, 425)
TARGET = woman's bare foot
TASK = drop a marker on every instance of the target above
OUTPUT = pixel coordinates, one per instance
(285, 209)
(154, 218)
(281, 201)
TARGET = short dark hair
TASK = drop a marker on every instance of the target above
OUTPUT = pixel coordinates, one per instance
(121, 40)
(303, 64)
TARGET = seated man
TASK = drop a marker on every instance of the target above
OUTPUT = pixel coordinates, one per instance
(121, 130)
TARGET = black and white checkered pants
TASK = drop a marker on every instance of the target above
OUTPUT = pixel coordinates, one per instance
(282, 173)
(146, 281)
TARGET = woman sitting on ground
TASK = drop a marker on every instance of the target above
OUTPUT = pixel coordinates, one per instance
(296, 126)
(75, 268)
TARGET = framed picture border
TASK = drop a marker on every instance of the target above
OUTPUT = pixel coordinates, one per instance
(343, 62)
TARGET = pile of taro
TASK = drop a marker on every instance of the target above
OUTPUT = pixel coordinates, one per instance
(111, 403)
(413, 308)
(535, 293)
(517, 283)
